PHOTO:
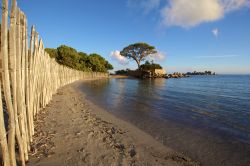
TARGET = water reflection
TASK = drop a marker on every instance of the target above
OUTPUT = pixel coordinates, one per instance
(181, 100)
(118, 99)
(99, 85)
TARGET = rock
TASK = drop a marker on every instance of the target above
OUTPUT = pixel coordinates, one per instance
(80, 150)
(175, 75)
(119, 146)
(132, 151)
(78, 133)
(112, 130)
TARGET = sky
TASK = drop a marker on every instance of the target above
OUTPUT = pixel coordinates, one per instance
(188, 34)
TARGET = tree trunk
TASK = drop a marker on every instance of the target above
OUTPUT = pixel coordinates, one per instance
(138, 64)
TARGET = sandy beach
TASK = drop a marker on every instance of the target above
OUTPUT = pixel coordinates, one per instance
(73, 131)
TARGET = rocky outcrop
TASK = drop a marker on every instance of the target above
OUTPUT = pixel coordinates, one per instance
(201, 73)
(152, 74)
(176, 75)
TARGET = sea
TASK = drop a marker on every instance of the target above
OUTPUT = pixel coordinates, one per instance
(204, 117)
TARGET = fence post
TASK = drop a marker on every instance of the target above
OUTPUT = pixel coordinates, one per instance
(26, 85)
(20, 98)
(6, 82)
(3, 137)
(12, 53)
(31, 78)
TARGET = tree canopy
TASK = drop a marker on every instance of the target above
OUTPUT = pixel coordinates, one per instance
(69, 56)
(138, 52)
(150, 66)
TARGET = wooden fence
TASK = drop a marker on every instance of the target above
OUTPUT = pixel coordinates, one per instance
(29, 78)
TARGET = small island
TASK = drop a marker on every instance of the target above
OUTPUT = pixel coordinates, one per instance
(152, 70)
(140, 52)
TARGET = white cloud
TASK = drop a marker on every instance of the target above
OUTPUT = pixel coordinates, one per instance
(215, 32)
(117, 56)
(159, 56)
(230, 5)
(186, 13)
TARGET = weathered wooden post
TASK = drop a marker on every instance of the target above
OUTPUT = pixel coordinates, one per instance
(6, 82)
(31, 78)
(26, 73)
(23, 77)
(12, 53)
(19, 84)
(3, 137)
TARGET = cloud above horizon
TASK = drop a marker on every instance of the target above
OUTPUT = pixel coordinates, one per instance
(115, 55)
(186, 13)
(215, 32)
(159, 56)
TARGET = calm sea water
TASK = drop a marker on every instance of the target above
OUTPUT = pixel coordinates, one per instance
(206, 117)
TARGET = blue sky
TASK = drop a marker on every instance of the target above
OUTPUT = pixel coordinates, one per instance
(202, 35)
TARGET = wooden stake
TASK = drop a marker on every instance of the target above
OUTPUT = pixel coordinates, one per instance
(3, 138)
(6, 82)
(12, 47)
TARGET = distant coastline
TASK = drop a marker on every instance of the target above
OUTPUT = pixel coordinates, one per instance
(201, 73)
(156, 73)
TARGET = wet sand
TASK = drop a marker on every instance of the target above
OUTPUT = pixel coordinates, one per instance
(73, 131)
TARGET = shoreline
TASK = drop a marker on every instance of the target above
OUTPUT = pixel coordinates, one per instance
(196, 139)
(73, 131)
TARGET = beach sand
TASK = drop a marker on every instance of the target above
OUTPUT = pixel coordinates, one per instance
(73, 131)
